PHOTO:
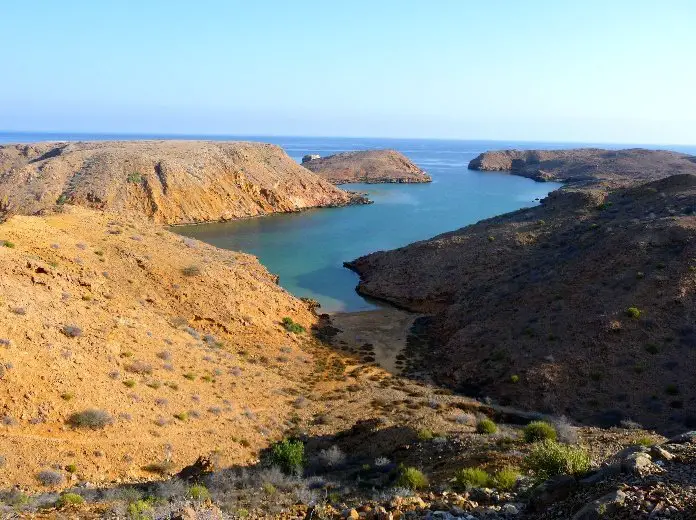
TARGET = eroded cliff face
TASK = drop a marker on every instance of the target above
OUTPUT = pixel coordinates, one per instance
(170, 182)
(370, 166)
(544, 294)
(610, 167)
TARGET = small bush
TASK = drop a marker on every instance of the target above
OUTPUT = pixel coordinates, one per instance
(539, 431)
(129, 383)
(293, 327)
(7, 243)
(514, 378)
(633, 312)
(139, 510)
(288, 455)
(424, 434)
(472, 477)
(135, 178)
(72, 331)
(644, 441)
(139, 367)
(69, 499)
(160, 468)
(199, 492)
(486, 426)
(49, 477)
(92, 418)
(506, 479)
(548, 458)
(71, 468)
(332, 457)
(67, 396)
(412, 478)
(191, 270)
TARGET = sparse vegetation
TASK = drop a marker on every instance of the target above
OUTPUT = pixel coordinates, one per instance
(425, 434)
(69, 499)
(199, 492)
(291, 326)
(472, 477)
(135, 178)
(506, 479)
(539, 431)
(487, 426)
(72, 331)
(92, 418)
(633, 312)
(7, 243)
(412, 478)
(49, 477)
(288, 455)
(549, 458)
(191, 270)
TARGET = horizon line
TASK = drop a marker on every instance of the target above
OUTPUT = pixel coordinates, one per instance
(215, 134)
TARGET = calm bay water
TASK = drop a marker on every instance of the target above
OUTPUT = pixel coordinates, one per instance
(308, 249)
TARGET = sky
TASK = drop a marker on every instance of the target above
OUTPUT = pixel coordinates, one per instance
(587, 71)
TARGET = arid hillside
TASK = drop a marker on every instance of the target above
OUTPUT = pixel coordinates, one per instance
(371, 166)
(170, 182)
(610, 167)
(583, 306)
(164, 335)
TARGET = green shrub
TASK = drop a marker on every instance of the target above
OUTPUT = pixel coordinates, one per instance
(424, 434)
(69, 499)
(135, 178)
(71, 468)
(199, 492)
(514, 378)
(633, 312)
(140, 510)
(412, 478)
(539, 431)
(486, 426)
(644, 441)
(472, 477)
(548, 458)
(291, 326)
(288, 455)
(506, 478)
(91, 418)
(7, 243)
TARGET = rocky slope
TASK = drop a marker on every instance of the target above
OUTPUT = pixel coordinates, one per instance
(611, 167)
(170, 182)
(583, 306)
(370, 166)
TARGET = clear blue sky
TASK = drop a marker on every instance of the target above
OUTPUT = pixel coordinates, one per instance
(602, 71)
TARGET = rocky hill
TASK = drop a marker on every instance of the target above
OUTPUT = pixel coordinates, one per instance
(611, 167)
(583, 305)
(370, 166)
(170, 182)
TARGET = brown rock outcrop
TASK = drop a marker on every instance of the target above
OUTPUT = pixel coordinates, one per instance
(615, 167)
(171, 182)
(544, 294)
(370, 166)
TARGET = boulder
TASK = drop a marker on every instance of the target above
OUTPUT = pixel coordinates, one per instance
(552, 490)
(606, 505)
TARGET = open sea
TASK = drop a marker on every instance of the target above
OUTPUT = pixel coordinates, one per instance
(307, 249)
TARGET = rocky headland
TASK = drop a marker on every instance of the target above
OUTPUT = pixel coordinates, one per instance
(588, 165)
(370, 166)
(582, 306)
(169, 182)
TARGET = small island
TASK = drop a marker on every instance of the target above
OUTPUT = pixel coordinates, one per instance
(368, 166)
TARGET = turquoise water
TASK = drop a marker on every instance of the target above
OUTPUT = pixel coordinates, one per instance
(307, 249)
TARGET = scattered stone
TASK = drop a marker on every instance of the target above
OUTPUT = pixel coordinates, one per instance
(606, 505)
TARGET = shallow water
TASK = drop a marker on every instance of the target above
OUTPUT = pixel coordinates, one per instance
(307, 249)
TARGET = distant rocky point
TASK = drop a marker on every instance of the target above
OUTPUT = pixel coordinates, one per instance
(369, 166)
(170, 182)
(613, 167)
